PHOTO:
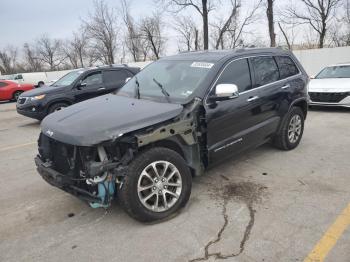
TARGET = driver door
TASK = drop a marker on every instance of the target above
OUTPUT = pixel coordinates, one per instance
(232, 123)
(91, 85)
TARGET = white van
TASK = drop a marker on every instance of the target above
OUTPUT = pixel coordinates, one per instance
(30, 78)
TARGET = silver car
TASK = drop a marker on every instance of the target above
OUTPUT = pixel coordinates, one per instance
(331, 86)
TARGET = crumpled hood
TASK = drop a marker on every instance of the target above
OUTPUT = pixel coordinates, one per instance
(105, 118)
(330, 85)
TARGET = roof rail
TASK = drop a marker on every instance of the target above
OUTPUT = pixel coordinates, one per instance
(112, 65)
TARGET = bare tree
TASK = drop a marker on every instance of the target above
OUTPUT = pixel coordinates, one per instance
(49, 51)
(270, 20)
(229, 32)
(79, 45)
(223, 26)
(70, 53)
(8, 59)
(31, 60)
(317, 14)
(75, 49)
(203, 7)
(188, 32)
(286, 38)
(151, 30)
(101, 27)
(133, 39)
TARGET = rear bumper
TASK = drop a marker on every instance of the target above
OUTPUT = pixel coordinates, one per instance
(63, 182)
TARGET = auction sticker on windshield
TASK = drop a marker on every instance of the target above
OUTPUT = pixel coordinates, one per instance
(202, 65)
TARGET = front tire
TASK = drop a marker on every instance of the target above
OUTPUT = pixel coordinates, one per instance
(158, 183)
(16, 95)
(291, 131)
(56, 107)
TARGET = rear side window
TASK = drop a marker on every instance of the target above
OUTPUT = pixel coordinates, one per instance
(3, 84)
(238, 73)
(265, 70)
(115, 76)
(286, 66)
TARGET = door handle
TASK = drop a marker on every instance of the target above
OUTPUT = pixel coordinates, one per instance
(253, 98)
(101, 88)
(285, 86)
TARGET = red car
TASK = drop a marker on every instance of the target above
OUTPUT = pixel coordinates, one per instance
(10, 90)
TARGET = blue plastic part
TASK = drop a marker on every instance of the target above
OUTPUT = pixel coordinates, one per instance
(110, 186)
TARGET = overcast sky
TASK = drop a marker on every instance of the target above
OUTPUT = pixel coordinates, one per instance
(24, 20)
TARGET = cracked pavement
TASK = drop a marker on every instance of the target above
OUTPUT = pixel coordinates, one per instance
(266, 205)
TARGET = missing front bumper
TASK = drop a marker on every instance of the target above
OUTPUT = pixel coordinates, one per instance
(64, 182)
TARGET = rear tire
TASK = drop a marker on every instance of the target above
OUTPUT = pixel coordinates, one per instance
(16, 95)
(57, 107)
(147, 197)
(291, 131)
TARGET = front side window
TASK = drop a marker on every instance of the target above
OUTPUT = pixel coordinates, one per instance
(286, 66)
(238, 73)
(179, 79)
(265, 69)
(335, 72)
(92, 79)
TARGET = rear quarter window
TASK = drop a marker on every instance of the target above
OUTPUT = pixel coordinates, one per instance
(3, 84)
(286, 66)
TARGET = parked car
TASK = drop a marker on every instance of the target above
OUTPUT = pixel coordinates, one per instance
(331, 86)
(179, 116)
(76, 86)
(10, 90)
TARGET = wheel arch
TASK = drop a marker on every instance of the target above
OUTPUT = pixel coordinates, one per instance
(56, 101)
(190, 153)
(16, 90)
(302, 103)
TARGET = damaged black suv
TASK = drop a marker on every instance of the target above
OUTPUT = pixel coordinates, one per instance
(170, 122)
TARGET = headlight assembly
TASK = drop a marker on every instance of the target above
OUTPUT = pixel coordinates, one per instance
(34, 98)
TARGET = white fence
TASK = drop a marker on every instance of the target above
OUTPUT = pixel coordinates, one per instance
(313, 60)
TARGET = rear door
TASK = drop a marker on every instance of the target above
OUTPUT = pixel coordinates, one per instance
(271, 92)
(232, 124)
(115, 79)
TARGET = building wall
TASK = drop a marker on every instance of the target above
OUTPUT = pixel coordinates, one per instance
(313, 60)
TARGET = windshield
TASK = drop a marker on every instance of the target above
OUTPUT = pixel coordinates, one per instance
(334, 72)
(68, 78)
(167, 80)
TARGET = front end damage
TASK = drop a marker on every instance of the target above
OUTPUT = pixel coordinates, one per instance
(94, 173)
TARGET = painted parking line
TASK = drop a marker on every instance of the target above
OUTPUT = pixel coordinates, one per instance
(16, 146)
(330, 238)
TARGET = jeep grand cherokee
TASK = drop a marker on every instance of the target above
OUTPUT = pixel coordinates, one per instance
(173, 120)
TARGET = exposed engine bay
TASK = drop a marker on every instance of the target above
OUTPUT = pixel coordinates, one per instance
(94, 173)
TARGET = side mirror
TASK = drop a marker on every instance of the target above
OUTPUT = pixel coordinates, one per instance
(126, 80)
(225, 92)
(81, 84)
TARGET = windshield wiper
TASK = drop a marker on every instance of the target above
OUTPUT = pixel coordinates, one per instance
(137, 88)
(165, 93)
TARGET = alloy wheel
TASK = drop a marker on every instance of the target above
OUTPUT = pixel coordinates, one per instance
(159, 186)
(294, 129)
